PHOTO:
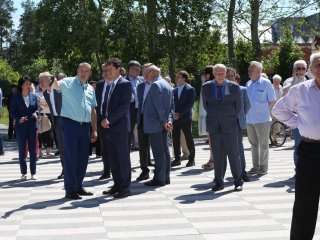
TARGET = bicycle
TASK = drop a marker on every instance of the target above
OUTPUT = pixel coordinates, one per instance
(279, 133)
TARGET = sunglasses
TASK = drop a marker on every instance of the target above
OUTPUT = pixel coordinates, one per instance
(300, 68)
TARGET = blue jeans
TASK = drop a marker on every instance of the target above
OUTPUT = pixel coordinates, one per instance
(297, 140)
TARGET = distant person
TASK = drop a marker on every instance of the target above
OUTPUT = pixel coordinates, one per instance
(11, 131)
(24, 109)
(277, 86)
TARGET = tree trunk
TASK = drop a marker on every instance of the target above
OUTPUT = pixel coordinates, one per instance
(231, 55)
(254, 29)
(152, 29)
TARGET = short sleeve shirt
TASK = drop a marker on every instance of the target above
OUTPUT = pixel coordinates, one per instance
(77, 99)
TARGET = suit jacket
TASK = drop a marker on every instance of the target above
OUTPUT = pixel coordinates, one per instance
(184, 104)
(140, 92)
(99, 91)
(57, 101)
(245, 106)
(119, 105)
(18, 109)
(221, 115)
(158, 106)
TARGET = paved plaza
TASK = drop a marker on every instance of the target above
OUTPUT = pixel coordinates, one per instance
(185, 209)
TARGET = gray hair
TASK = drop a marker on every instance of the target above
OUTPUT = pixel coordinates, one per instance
(298, 62)
(219, 66)
(154, 68)
(257, 65)
(134, 63)
(277, 76)
(84, 64)
(314, 57)
(61, 76)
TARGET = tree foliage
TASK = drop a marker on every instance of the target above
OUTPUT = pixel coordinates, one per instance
(7, 75)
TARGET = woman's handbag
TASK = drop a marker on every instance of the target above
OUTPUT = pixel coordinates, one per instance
(44, 124)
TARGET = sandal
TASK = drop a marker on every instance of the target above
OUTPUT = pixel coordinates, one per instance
(208, 166)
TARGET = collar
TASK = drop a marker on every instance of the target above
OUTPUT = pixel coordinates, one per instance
(80, 83)
(258, 80)
(313, 83)
(132, 79)
(181, 86)
(223, 84)
(116, 81)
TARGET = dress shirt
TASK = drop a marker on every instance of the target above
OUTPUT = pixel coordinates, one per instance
(180, 88)
(53, 105)
(300, 108)
(260, 93)
(134, 97)
(216, 89)
(77, 99)
(278, 92)
(26, 100)
(145, 93)
(103, 93)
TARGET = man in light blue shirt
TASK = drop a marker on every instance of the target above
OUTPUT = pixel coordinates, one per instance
(262, 97)
(78, 110)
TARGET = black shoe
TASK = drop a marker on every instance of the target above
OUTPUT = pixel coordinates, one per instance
(238, 188)
(168, 181)
(2, 153)
(150, 164)
(217, 188)
(245, 178)
(154, 183)
(57, 154)
(190, 163)
(61, 176)
(143, 176)
(112, 191)
(104, 176)
(122, 194)
(73, 196)
(83, 192)
(175, 163)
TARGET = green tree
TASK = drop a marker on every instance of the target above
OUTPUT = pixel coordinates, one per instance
(6, 23)
(7, 75)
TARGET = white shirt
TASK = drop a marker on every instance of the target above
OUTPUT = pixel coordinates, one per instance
(26, 100)
(147, 87)
(51, 94)
(300, 108)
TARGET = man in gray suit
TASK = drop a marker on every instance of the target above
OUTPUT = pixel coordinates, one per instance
(54, 100)
(157, 107)
(221, 100)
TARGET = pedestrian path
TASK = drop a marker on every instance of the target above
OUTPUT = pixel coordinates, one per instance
(185, 209)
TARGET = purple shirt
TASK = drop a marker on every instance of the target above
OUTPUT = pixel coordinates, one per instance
(300, 108)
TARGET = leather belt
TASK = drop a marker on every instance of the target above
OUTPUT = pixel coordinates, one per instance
(80, 123)
(309, 140)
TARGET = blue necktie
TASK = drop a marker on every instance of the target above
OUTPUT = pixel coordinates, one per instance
(105, 100)
(219, 93)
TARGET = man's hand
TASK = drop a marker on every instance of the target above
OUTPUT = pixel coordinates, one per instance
(168, 126)
(105, 123)
(94, 136)
(176, 116)
(23, 119)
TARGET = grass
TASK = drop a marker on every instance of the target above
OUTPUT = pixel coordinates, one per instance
(4, 118)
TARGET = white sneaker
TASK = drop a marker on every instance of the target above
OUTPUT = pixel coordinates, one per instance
(34, 177)
(24, 177)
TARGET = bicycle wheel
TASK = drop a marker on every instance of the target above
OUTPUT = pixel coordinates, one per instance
(278, 134)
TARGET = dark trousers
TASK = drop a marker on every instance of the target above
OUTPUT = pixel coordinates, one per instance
(11, 130)
(104, 151)
(187, 131)
(75, 145)
(307, 192)
(144, 148)
(160, 150)
(27, 133)
(241, 151)
(58, 133)
(118, 153)
(223, 145)
(95, 144)
(133, 121)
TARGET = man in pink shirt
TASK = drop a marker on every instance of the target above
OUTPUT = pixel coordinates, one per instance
(300, 108)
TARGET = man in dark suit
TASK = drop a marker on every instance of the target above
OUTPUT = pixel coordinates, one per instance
(144, 143)
(115, 108)
(184, 97)
(157, 108)
(54, 101)
(100, 93)
(221, 100)
(134, 69)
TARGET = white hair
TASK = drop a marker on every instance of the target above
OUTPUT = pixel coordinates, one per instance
(277, 76)
(154, 68)
(219, 66)
(300, 62)
(257, 65)
(45, 74)
(314, 57)
(84, 64)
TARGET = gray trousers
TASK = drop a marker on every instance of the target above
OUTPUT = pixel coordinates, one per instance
(223, 145)
(258, 135)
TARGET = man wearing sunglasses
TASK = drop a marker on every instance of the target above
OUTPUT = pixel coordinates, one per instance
(298, 76)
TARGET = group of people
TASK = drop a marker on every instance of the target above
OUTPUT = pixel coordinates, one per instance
(120, 103)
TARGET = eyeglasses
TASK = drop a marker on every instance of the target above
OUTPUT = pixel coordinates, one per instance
(300, 68)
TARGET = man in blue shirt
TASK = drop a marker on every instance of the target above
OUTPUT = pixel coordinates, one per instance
(262, 97)
(78, 110)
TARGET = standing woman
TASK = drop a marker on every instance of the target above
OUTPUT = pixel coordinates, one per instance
(24, 109)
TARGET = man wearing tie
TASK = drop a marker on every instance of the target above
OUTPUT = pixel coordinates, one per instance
(100, 95)
(157, 110)
(115, 108)
(134, 78)
(221, 100)
(184, 97)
